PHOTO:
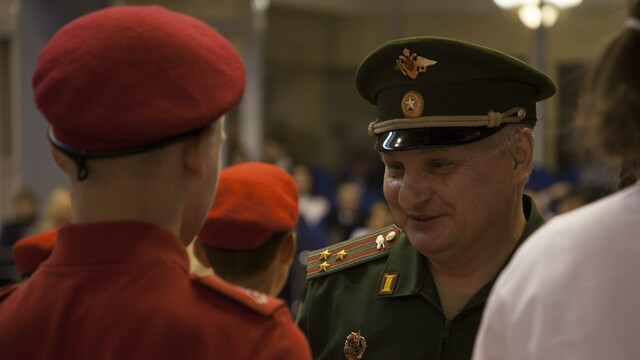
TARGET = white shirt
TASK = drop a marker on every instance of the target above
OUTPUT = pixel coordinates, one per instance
(572, 291)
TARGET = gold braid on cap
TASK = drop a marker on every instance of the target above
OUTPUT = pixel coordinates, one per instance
(491, 120)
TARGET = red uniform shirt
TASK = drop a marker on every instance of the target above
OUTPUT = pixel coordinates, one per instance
(122, 290)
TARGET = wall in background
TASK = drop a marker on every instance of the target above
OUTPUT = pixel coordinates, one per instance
(312, 51)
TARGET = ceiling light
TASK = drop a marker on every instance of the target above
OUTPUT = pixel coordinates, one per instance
(531, 16)
(563, 4)
(509, 4)
(549, 15)
(534, 13)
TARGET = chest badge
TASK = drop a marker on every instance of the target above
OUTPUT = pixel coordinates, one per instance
(354, 346)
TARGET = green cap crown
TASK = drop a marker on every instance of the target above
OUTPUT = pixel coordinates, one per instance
(433, 92)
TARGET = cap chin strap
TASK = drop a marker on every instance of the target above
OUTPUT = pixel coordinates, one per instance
(80, 156)
(491, 120)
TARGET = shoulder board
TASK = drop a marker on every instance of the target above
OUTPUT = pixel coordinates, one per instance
(5, 291)
(352, 252)
(256, 301)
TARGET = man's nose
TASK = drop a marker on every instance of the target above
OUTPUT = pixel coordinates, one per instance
(415, 189)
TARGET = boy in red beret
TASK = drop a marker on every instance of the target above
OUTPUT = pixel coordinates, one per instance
(249, 236)
(136, 97)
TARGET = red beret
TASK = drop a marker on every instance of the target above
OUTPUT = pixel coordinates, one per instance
(29, 252)
(129, 76)
(254, 200)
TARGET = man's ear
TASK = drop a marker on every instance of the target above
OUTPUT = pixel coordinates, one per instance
(287, 249)
(196, 152)
(522, 155)
(59, 159)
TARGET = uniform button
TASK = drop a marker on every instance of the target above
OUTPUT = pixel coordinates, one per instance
(390, 236)
(302, 258)
(522, 113)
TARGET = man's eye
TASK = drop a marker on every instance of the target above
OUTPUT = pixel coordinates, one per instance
(393, 167)
(439, 164)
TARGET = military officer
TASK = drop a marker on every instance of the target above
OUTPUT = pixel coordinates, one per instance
(135, 98)
(454, 131)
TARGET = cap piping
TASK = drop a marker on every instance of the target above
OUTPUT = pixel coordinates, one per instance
(492, 119)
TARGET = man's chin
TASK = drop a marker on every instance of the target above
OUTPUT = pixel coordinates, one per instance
(425, 238)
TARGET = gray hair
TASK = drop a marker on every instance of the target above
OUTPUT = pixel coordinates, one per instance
(504, 138)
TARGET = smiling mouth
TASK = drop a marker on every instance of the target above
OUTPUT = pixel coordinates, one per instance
(423, 218)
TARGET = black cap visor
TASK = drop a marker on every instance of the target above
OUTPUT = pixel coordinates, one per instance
(434, 137)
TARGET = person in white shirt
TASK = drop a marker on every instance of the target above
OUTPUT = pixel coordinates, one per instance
(571, 291)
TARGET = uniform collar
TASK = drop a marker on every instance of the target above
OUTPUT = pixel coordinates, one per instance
(409, 264)
(414, 277)
(116, 242)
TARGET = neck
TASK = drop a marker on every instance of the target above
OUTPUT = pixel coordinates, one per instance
(113, 200)
(262, 282)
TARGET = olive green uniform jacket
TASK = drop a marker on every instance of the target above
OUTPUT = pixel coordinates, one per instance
(388, 295)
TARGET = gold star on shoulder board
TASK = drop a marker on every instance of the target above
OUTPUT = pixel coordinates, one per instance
(341, 255)
(325, 255)
(324, 266)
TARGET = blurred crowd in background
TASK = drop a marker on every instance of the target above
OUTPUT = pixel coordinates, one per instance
(27, 221)
(334, 206)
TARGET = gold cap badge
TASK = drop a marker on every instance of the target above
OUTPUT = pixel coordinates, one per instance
(412, 104)
(410, 64)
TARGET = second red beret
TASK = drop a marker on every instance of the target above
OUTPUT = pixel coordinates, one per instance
(254, 200)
